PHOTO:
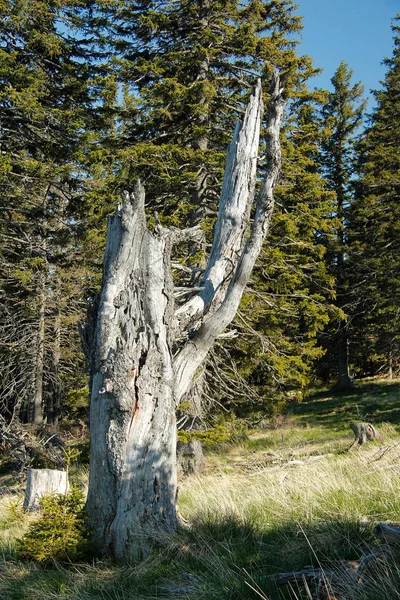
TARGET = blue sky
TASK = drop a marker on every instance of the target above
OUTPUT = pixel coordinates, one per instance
(357, 31)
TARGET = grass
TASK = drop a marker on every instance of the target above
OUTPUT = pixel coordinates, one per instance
(255, 512)
(373, 401)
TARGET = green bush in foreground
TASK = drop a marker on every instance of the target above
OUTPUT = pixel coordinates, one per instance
(60, 532)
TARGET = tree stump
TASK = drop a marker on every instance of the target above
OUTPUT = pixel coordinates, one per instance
(190, 457)
(364, 432)
(41, 482)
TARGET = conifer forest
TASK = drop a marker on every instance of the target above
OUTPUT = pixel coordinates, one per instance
(199, 294)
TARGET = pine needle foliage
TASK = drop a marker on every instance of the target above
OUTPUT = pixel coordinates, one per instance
(375, 231)
(60, 532)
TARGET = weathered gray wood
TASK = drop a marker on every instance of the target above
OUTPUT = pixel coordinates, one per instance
(41, 482)
(191, 458)
(132, 483)
(387, 533)
(308, 574)
(136, 383)
(234, 211)
(364, 432)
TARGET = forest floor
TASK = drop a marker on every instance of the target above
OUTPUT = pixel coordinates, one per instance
(283, 499)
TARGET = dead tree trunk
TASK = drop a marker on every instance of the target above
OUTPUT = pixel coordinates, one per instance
(132, 490)
(145, 353)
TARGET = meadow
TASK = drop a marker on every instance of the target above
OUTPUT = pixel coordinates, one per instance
(288, 496)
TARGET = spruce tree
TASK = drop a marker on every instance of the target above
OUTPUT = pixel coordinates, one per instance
(43, 97)
(375, 230)
(342, 116)
(187, 69)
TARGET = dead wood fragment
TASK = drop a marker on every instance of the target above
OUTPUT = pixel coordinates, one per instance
(383, 451)
(364, 432)
(309, 573)
(364, 565)
(388, 533)
(328, 583)
(290, 463)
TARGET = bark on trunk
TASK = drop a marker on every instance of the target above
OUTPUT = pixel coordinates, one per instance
(132, 484)
(137, 383)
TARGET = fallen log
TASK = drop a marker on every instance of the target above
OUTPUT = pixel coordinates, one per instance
(308, 573)
(387, 533)
(329, 582)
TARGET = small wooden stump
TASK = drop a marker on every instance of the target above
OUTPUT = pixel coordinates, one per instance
(41, 482)
(190, 457)
(364, 432)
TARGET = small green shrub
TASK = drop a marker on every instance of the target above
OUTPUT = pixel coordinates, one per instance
(76, 402)
(60, 532)
(220, 434)
(12, 514)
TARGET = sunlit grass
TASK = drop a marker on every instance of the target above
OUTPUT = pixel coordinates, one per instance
(282, 499)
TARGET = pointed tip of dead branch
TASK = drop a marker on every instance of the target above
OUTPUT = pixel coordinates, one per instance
(138, 190)
(276, 88)
(256, 91)
(257, 85)
(125, 197)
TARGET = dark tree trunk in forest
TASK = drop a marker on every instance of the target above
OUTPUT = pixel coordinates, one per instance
(53, 409)
(145, 353)
(37, 414)
(342, 115)
(344, 381)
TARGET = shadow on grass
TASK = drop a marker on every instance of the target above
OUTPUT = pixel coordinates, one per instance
(374, 402)
(219, 559)
(234, 556)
